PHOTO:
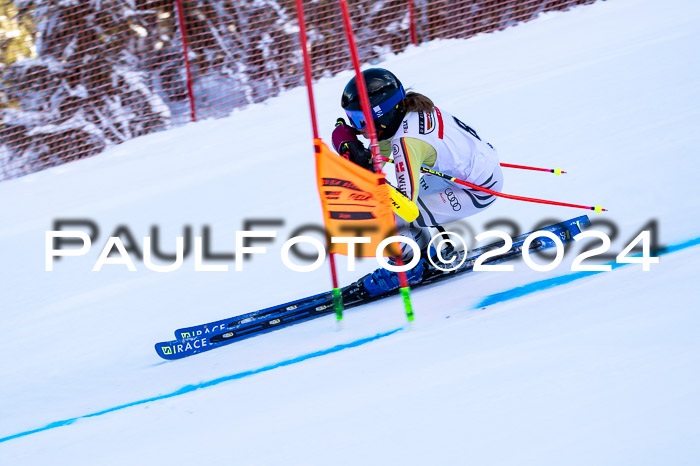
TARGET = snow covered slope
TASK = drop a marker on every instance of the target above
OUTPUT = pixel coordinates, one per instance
(601, 370)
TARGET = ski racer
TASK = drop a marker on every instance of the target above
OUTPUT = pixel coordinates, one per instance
(415, 133)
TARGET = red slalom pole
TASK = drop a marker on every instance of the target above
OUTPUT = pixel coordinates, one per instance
(412, 23)
(374, 143)
(307, 65)
(556, 171)
(337, 294)
(362, 88)
(185, 51)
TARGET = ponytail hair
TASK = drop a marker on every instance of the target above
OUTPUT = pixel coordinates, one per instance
(415, 102)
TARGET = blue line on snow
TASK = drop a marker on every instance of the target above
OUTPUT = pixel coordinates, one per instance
(492, 299)
(564, 279)
(210, 383)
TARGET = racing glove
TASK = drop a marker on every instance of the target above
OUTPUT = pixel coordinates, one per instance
(347, 145)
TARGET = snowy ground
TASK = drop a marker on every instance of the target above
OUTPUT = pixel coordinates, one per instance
(603, 370)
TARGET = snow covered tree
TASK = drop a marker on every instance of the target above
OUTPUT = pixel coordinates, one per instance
(244, 51)
(83, 92)
(15, 35)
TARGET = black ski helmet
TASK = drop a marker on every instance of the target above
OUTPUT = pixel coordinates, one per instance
(386, 95)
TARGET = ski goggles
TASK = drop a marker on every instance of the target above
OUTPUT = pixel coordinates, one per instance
(357, 117)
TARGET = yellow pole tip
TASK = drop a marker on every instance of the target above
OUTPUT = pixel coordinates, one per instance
(557, 171)
(598, 209)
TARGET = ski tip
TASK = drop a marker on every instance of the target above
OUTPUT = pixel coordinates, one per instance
(164, 350)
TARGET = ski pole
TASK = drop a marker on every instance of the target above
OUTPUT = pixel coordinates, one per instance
(556, 171)
(597, 209)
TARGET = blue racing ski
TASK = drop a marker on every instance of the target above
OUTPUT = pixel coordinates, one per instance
(200, 338)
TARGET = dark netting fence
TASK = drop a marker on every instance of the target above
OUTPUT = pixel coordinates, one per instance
(78, 76)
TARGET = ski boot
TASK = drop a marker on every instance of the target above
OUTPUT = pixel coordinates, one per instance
(382, 281)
